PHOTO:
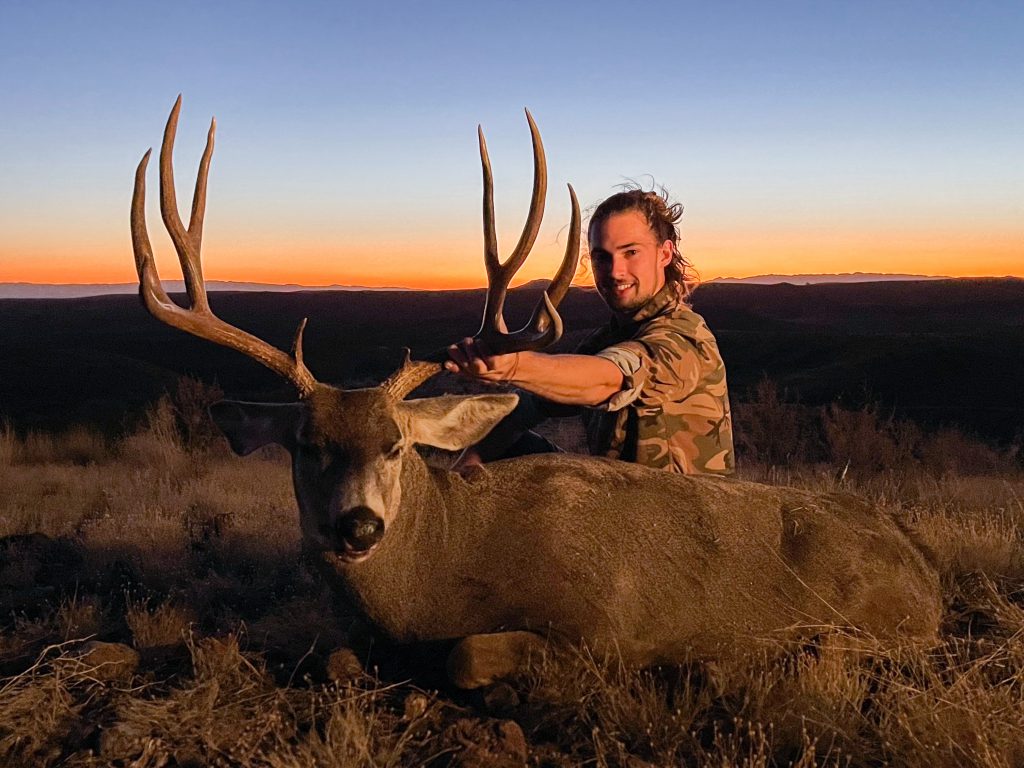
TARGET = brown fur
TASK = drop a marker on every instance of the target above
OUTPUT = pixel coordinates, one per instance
(652, 566)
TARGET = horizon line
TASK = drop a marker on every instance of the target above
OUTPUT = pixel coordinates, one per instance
(361, 286)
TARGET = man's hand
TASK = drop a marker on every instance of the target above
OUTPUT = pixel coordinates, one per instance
(471, 358)
(566, 379)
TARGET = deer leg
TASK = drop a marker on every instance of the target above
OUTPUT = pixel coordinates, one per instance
(479, 660)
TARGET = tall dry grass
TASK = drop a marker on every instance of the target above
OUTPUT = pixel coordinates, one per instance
(77, 445)
(190, 559)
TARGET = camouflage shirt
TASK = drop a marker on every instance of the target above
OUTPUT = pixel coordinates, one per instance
(672, 412)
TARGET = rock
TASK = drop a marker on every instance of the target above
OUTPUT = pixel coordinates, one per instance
(501, 699)
(121, 741)
(415, 706)
(485, 743)
(343, 666)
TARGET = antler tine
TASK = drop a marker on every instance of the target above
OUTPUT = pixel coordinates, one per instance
(500, 275)
(186, 242)
(198, 320)
(195, 221)
(409, 376)
(150, 288)
(543, 316)
(540, 192)
(492, 263)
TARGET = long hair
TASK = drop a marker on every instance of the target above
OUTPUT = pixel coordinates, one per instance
(662, 216)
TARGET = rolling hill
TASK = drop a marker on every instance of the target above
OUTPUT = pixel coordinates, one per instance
(938, 351)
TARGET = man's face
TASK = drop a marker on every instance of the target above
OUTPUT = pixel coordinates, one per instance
(628, 261)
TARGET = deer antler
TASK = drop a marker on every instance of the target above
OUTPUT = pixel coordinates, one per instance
(545, 325)
(198, 319)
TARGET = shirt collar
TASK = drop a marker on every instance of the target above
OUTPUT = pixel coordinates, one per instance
(663, 301)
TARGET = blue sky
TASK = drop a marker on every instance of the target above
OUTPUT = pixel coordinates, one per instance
(348, 130)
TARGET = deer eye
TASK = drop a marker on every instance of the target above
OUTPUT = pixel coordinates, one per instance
(330, 461)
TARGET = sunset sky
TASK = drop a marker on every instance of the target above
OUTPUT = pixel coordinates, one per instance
(800, 136)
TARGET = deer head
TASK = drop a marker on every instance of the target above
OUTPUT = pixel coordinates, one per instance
(348, 447)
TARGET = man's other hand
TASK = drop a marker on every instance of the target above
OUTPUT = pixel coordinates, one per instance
(471, 358)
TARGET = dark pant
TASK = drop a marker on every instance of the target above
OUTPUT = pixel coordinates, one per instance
(531, 442)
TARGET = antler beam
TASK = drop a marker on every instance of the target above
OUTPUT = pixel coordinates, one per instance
(198, 319)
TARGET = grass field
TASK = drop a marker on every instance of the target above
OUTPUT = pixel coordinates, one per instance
(156, 612)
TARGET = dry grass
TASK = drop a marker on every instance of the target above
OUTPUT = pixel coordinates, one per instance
(164, 543)
(78, 445)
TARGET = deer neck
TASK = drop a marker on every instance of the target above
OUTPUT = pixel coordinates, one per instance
(403, 588)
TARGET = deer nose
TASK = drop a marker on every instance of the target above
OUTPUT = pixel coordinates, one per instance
(359, 528)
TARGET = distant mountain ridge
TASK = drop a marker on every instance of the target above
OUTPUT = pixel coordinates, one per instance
(842, 277)
(84, 290)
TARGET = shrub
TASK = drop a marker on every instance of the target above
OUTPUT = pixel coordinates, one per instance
(866, 441)
(949, 451)
(157, 443)
(190, 403)
(770, 430)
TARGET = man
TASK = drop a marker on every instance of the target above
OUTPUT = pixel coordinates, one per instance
(652, 382)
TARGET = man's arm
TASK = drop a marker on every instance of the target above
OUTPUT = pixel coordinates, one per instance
(567, 379)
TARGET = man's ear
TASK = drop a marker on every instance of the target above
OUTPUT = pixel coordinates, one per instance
(665, 253)
(453, 422)
(249, 426)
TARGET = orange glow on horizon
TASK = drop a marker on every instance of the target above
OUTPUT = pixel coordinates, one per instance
(962, 253)
(458, 263)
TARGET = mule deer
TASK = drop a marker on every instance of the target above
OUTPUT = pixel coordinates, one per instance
(653, 566)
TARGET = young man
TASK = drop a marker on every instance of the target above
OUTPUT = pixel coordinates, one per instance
(652, 381)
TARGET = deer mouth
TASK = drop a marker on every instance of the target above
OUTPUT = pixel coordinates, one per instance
(355, 536)
(348, 554)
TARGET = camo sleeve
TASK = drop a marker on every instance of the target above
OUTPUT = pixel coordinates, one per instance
(664, 364)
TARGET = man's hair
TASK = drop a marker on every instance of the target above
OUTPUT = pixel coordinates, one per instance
(662, 216)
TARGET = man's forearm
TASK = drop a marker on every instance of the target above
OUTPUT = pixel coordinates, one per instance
(567, 379)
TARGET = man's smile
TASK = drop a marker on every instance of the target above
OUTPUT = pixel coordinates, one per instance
(619, 287)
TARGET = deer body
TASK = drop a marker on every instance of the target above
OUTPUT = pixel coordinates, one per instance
(651, 566)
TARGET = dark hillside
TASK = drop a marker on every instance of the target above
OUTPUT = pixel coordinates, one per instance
(938, 351)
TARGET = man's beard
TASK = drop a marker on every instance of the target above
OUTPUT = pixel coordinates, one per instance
(630, 302)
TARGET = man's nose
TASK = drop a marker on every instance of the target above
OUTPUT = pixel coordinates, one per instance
(617, 268)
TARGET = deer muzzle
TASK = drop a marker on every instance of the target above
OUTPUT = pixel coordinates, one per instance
(356, 532)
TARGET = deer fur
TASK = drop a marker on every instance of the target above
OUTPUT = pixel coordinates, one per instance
(651, 566)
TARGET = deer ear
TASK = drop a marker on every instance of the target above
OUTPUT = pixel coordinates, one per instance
(249, 426)
(453, 422)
